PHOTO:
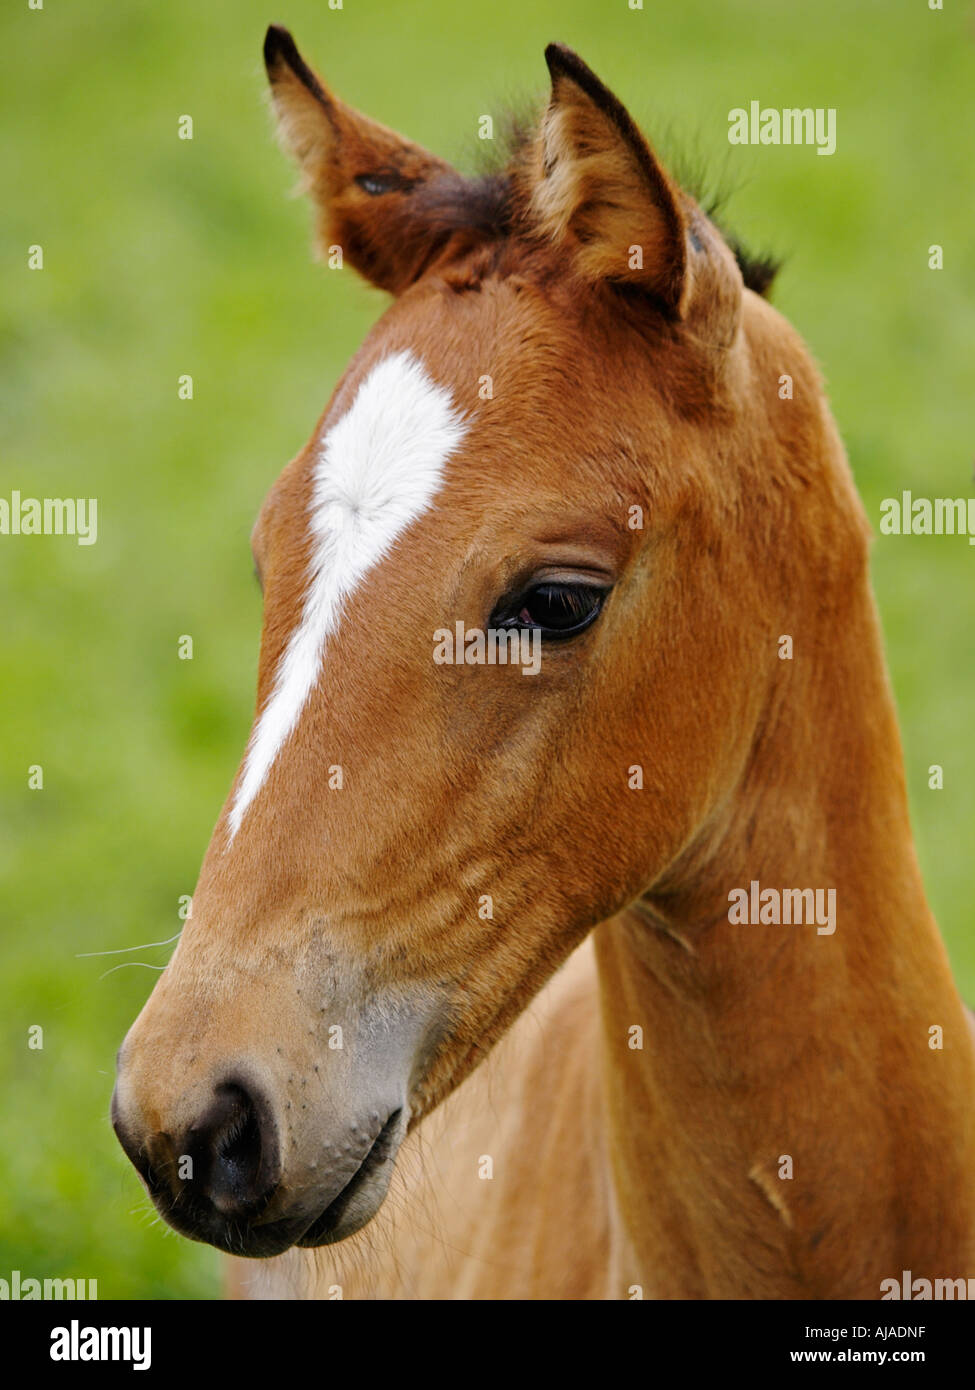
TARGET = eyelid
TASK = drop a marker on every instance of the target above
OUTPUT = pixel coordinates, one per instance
(578, 570)
(571, 578)
(540, 579)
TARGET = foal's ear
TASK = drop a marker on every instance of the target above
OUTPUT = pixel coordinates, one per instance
(597, 189)
(363, 178)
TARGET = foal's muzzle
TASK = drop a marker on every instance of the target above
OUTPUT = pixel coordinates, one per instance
(219, 1178)
(255, 1140)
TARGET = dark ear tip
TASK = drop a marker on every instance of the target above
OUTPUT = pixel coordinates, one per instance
(555, 56)
(281, 51)
(278, 46)
(563, 61)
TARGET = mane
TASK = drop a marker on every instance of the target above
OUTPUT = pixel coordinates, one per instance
(487, 202)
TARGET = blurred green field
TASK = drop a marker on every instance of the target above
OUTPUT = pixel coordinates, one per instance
(164, 257)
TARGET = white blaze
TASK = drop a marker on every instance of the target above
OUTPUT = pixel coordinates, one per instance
(378, 469)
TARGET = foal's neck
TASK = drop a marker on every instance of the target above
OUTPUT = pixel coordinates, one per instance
(788, 1128)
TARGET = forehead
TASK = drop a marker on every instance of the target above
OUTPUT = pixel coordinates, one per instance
(542, 396)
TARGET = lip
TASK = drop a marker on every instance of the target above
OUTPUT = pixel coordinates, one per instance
(331, 1225)
(251, 1243)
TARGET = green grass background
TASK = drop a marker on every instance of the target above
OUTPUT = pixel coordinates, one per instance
(164, 257)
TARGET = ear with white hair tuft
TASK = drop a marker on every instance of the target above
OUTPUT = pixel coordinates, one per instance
(596, 190)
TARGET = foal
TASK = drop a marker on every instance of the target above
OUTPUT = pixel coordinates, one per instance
(573, 422)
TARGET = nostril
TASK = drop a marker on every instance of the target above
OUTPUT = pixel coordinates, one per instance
(234, 1147)
(226, 1161)
(239, 1153)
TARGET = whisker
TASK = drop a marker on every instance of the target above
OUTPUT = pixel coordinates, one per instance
(79, 955)
(131, 962)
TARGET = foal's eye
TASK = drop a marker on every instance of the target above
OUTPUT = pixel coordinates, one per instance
(558, 610)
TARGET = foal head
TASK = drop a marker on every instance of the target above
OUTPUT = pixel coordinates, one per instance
(569, 425)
